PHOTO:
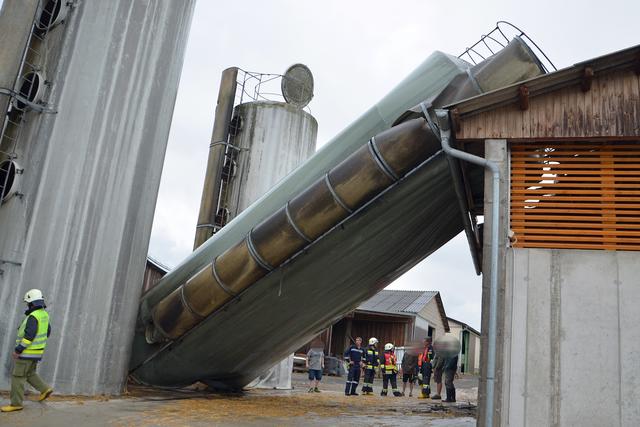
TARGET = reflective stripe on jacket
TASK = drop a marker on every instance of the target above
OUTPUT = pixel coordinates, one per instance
(34, 349)
(389, 365)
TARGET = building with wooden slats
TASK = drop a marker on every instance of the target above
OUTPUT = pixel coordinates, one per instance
(568, 148)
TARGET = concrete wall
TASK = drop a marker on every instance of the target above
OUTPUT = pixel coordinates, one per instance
(574, 338)
(91, 176)
(568, 340)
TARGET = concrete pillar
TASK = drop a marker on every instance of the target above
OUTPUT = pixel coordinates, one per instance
(497, 152)
(16, 19)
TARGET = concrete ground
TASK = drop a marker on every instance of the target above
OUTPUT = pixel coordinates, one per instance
(152, 407)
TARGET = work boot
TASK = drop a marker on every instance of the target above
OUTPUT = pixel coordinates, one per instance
(451, 395)
(11, 408)
(354, 387)
(45, 394)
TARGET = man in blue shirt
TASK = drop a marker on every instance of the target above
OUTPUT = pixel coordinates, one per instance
(354, 357)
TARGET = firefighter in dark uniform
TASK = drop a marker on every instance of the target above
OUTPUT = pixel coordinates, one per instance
(424, 368)
(372, 361)
(354, 356)
(389, 368)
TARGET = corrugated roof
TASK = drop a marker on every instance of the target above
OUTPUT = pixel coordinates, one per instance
(389, 301)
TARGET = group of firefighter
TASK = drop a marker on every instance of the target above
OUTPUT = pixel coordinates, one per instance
(370, 360)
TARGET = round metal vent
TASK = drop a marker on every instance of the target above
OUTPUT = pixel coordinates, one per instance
(51, 14)
(32, 88)
(297, 85)
(8, 171)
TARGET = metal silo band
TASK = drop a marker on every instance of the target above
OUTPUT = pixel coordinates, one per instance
(380, 160)
(220, 282)
(255, 255)
(186, 304)
(294, 225)
(335, 195)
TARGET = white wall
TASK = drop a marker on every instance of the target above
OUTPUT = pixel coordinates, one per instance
(572, 350)
(431, 313)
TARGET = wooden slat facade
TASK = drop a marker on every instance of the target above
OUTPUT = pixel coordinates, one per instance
(576, 196)
(611, 108)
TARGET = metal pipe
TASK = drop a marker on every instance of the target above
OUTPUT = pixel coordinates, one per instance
(215, 162)
(445, 135)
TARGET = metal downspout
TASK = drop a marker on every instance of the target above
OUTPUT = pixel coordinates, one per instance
(445, 135)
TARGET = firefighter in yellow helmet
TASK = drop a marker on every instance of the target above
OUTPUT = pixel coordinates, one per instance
(30, 344)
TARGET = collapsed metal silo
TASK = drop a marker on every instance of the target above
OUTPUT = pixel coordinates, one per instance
(359, 213)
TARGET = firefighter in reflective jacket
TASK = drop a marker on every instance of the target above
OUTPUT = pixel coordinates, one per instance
(372, 360)
(30, 344)
(354, 356)
(389, 371)
(424, 368)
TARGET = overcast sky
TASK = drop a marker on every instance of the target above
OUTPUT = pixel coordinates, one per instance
(357, 51)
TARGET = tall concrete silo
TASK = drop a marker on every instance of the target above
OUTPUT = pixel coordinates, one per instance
(81, 184)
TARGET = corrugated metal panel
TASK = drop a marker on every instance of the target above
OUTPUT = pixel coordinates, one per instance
(91, 175)
(391, 301)
(420, 302)
(576, 195)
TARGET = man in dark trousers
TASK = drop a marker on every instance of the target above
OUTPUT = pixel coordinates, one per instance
(450, 368)
(354, 357)
(30, 344)
(372, 360)
(424, 368)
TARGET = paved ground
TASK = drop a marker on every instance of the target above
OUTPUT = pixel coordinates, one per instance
(144, 407)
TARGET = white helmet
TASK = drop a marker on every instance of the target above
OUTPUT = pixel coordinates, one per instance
(373, 341)
(388, 346)
(33, 295)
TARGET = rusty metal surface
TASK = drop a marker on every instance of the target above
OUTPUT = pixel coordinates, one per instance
(203, 292)
(358, 178)
(315, 211)
(172, 317)
(237, 269)
(276, 239)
